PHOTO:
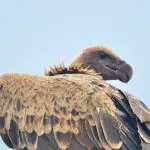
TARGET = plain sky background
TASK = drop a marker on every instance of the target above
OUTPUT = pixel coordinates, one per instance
(35, 34)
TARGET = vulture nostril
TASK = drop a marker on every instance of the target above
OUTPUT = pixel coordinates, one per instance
(120, 62)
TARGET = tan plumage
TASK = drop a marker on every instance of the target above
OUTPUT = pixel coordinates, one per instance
(70, 108)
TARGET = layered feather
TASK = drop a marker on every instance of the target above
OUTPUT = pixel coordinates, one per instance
(70, 111)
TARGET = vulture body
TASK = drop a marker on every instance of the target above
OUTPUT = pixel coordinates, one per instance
(74, 108)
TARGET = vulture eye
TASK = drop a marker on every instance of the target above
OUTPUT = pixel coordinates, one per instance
(102, 55)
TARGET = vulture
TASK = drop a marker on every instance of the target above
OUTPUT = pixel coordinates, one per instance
(74, 107)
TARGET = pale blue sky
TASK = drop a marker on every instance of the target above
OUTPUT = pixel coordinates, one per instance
(35, 34)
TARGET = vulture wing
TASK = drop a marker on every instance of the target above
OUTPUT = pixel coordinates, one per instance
(138, 110)
(70, 111)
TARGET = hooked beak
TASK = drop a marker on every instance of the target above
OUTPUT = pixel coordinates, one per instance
(123, 71)
(120, 71)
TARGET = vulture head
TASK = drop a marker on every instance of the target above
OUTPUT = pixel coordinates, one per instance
(104, 61)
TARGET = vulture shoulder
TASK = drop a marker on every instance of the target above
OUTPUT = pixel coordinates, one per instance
(73, 110)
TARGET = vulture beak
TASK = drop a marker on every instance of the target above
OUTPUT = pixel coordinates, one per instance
(120, 70)
(123, 71)
(128, 71)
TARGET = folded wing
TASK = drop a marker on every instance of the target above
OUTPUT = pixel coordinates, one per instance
(69, 111)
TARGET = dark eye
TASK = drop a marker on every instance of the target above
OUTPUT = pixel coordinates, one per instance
(102, 55)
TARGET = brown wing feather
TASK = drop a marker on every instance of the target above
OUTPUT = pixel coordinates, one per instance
(43, 104)
(142, 112)
(135, 117)
(69, 111)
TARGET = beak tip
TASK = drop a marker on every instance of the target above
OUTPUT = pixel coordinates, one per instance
(128, 73)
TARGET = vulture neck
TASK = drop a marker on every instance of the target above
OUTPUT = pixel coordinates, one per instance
(80, 62)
